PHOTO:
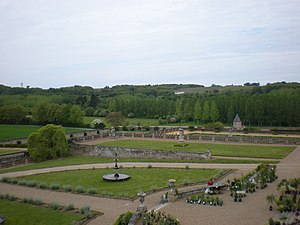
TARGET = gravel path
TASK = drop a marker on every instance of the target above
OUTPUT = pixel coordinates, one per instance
(253, 210)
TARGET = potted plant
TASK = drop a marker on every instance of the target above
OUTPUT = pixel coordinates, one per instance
(270, 199)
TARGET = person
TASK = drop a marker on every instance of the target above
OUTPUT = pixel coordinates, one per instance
(210, 183)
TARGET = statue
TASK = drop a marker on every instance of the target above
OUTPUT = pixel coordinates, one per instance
(181, 135)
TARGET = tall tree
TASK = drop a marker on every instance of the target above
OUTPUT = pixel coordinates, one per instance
(115, 119)
(205, 115)
(214, 112)
(197, 112)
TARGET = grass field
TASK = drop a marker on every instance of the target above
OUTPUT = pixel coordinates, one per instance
(8, 151)
(77, 160)
(254, 151)
(25, 214)
(8, 131)
(146, 179)
(140, 121)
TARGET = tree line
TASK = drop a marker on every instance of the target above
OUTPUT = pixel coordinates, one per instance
(275, 104)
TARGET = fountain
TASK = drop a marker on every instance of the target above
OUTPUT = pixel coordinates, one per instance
(116, 176)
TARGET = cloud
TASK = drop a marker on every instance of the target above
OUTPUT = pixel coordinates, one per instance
(100, 43)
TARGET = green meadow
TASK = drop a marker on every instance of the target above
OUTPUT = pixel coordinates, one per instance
(253, 151)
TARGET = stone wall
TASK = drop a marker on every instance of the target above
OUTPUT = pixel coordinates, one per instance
(135, 153)
(14, 159)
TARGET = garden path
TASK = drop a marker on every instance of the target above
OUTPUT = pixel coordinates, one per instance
(253, 210)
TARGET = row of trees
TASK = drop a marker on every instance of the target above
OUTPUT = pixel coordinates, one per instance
(277, 108)
(46, 113)
(272, 105)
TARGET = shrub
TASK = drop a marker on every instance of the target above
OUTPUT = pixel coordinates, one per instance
(24, 200)
(187, 167)
(154, 187)
(22, 182)
(124, 218)
(38, 201)
(186, 181)
(11, 198)
(54, 186)
(191, 128)
(86, 211)
(92, 191)
(42, 185)
(5, 179)
(79, 189)
(31, 183)
(69, 207)
(67, 188)
(54, 205)
(149, 166)
(12, 181)
(30, 200)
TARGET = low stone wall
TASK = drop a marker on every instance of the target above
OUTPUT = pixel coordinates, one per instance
(102, 151)
(13, 159)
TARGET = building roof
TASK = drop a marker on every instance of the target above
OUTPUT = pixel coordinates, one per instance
(237, 118)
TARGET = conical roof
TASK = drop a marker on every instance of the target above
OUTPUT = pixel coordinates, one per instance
(237, 118)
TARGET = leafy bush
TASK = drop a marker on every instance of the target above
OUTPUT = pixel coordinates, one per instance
(31, 183)
(22, 182)
(42, 185)
(40, 141)
(11, 198)
(124, 218)
(186, 181)
(54, 186)
(149, 166)
(24, 200)
(12, 181)
(54, 205)
(67, 188)
(37, 201)
(91, 191)
(69, 207)
(5, 179)
(86, 211)
(79, 189)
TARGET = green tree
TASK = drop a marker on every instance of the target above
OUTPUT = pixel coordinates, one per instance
(115, 119)
(230, 114)
(76, 116)
(14, 114)
(205, 115)
(48, 142)
(197, 112)
(214, 113)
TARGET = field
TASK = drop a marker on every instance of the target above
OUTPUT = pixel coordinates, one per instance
(22, 131)
(78, 160)
(253, 151)
(25, 214)
(146, 179)
(140, 121)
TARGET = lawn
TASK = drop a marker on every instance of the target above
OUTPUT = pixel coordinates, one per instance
(255, 151)
(77, 160)
(139, 121)
(25, 214)
(8, 131)
(130, 121)
(146, 179)
(9, 151)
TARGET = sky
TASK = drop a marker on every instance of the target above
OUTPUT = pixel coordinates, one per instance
(101, 43)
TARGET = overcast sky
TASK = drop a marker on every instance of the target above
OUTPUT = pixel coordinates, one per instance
(108, 42)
